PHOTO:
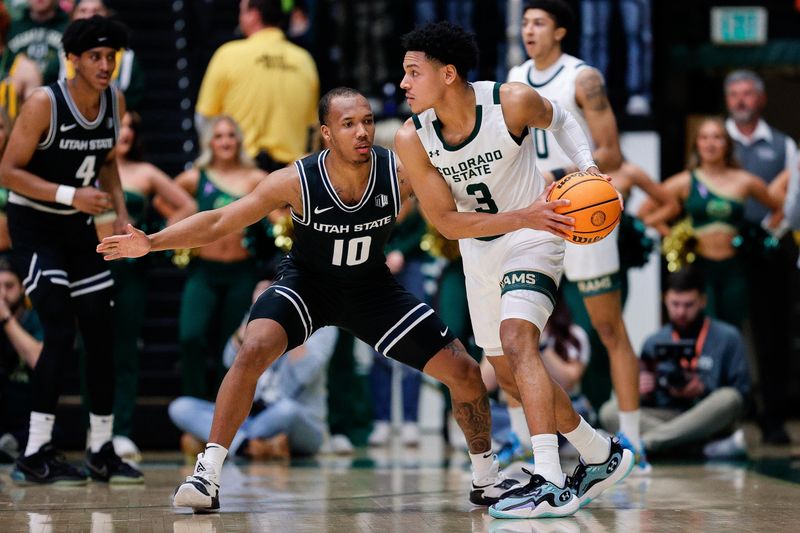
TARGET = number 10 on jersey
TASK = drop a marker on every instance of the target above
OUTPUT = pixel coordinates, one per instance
(357, 250)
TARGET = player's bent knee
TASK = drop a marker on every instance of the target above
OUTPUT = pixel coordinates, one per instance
(256, 354)
(464, 373)
(517, 337)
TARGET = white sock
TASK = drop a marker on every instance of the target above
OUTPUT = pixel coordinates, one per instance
(545, 454)
(593, 447)
(481, 464)
(40, 431)
(214, 454)
(629, 425)
(519, 424)
(100, 427)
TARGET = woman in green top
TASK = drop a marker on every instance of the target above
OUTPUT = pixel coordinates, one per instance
(142, 184)
(222, 275)
(712, 191)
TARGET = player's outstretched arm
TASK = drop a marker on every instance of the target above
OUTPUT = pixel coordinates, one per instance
(523, 107)
(279, 189)
(436, 200)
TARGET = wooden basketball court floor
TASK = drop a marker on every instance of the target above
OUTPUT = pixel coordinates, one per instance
(402, 490)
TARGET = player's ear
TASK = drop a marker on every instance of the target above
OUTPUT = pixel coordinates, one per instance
(326, 132)
(560, 33)
(450, 74)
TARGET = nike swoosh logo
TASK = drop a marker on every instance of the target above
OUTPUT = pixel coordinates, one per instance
(66, 127)
(474, 486)
(443, 333)
(486, 456)
(100, 471)
(317, 210)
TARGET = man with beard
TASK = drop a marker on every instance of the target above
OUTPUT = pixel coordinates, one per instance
(20, 346)
(694, 381)
(766, 152)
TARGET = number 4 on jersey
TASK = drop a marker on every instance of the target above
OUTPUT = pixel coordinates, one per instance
(86, 170)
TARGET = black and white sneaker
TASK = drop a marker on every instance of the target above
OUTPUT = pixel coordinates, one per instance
(46, 466)
(106, 466)
(491, 488)
(200, 491)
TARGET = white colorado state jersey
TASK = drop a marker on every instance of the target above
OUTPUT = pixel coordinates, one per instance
(557, 84)
(491, 171)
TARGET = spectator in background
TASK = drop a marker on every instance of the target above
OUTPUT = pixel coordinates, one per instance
(791, 207)
(635, 15)
(141, 182)
(222, 275)
(37, 34)
(19, 76)
(764, 151)
(20, 346)
(127, 77)
(267, 84)
(713, 191)
(689, 400)
(289, 407)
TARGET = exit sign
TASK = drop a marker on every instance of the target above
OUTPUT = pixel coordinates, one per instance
(739, 25)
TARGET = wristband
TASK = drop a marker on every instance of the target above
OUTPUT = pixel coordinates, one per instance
(588, 166)
(65, 194)
(558, 173)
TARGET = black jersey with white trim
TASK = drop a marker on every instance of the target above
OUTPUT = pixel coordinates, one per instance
(75, 148)
(339, 240)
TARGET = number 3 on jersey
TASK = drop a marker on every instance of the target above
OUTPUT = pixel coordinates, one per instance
(86, 170)
(357, 250)
(483, 196)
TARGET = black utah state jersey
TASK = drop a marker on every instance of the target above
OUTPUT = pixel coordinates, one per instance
(75, 148)
(334, 239)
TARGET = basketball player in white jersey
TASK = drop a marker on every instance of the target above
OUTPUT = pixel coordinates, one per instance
(466, 154)
(595, 268)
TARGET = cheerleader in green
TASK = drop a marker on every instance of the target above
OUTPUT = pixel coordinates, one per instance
(222, 274)
(712, 191)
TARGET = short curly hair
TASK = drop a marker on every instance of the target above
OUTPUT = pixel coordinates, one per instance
(560, 11)
(445, 42)
(97, 31)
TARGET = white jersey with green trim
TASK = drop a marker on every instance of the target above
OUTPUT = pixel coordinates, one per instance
(557, 84)
(492, 170)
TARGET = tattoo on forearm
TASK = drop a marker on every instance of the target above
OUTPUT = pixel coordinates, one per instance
(475, 421)
(595, 91)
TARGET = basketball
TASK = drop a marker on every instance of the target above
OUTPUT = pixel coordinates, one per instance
(594, 204)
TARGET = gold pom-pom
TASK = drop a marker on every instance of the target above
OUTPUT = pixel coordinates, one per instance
(283, 232)
(678, 246)
(437, 246)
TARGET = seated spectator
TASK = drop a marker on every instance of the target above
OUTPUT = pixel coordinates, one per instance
(289, 408)
(694, 379)
(20, 346)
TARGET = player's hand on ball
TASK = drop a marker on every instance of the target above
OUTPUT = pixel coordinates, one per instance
(134, 243)
(542, 215)
(91, 200)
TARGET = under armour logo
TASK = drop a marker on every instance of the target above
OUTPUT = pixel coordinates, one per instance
(432, 153)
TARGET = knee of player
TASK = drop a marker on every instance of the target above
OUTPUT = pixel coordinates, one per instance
(609, 331)
(464, 372)
(255, 354)
(518, 338)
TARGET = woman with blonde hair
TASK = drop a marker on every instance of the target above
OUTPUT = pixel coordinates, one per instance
(712, 191)
(222, 274)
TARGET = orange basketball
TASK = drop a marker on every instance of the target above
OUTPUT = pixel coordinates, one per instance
(594, 204)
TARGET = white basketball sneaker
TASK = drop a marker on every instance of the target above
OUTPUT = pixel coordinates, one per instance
(200, 491)
(493, 487)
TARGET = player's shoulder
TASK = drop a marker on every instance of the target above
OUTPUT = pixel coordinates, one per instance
(520, 72)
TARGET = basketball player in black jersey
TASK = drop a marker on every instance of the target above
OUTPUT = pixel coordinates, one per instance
(344, 202)
(60, 152)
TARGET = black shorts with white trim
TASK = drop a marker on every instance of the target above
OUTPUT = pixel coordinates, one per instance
(377, 310)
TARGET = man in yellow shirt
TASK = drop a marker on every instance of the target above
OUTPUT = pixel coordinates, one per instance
(267, 84)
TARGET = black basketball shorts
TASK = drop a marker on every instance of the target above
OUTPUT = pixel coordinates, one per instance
(377, 310)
